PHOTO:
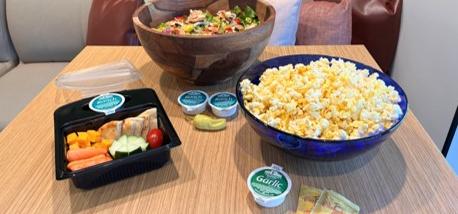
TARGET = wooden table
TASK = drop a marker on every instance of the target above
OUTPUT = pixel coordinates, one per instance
(406, 174)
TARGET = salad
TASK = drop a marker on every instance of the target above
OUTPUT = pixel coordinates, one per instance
(200, 22)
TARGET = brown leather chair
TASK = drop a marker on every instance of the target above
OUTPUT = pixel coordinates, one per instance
(110, 22)
(376, 24)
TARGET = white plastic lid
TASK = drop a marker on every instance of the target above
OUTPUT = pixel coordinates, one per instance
(99, 79)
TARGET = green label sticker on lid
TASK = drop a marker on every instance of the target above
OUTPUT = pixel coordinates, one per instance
(269, 182)
(107, 103)
(192, 98)
(223, 100)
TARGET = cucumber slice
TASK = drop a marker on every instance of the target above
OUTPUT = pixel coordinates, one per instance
(123, 139)
(133, 139)
(115, 147)
(119, 149)
(138, 141)
(123, 147)
(133, 149)
(120, 154)
(144, 146)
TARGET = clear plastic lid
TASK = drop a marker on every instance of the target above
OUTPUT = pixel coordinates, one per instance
(100, 79)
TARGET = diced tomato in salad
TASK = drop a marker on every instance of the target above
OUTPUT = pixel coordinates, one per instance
(238, 21)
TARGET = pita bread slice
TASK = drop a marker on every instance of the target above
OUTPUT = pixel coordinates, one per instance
(150, 121)
(111, 130)
(133, 126)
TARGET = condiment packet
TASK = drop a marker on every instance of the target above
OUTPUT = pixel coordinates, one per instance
(316, 201)
(308, 196)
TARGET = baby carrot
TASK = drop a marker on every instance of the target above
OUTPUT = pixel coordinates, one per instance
(84, 153)
(80, 164)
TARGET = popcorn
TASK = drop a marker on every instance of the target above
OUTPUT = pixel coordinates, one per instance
(324, 100)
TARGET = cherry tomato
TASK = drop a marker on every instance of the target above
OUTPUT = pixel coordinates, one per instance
(154, 138)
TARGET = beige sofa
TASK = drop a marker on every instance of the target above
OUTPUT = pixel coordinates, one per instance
(37, 40)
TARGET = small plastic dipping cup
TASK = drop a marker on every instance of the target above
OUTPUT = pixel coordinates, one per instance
(269, 185)
(223, 104)
(193, 102)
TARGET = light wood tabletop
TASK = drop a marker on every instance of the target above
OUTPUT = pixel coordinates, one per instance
(208, 172)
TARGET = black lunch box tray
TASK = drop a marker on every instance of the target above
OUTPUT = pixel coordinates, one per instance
(77, 116)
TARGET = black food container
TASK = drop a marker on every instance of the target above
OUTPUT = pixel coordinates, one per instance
(78, 116)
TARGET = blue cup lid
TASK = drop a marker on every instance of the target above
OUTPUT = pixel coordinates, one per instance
(223, 100)
(107, 103)
(193, 98)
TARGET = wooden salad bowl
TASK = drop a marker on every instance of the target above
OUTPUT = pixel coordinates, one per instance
(202, 60)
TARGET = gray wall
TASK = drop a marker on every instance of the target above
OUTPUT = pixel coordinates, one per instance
(426, 63)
